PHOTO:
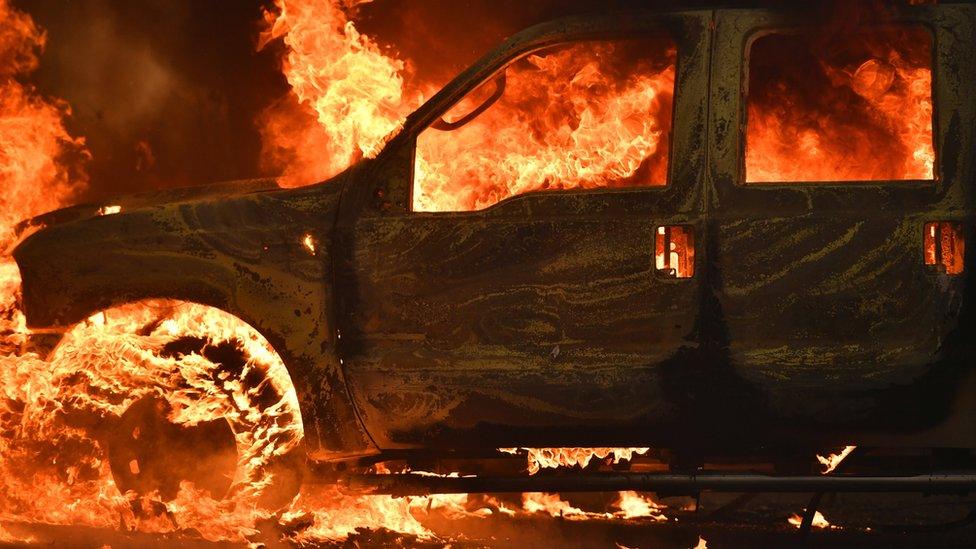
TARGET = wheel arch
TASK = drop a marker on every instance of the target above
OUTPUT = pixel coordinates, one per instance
(264, 258)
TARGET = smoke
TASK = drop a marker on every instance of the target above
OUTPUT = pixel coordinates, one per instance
(166, 93)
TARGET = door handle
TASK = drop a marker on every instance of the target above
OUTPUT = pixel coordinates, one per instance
(945, 246)
(674, 251)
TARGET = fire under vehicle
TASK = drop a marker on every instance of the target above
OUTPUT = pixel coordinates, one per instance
(665, 285)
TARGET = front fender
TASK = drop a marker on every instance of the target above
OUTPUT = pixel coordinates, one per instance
(265, 257)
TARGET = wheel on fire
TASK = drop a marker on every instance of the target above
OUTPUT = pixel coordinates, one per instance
(189, 398)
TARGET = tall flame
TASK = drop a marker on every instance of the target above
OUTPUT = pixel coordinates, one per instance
(565, 121)
(35, 154)
(346, 96)
(36, 150)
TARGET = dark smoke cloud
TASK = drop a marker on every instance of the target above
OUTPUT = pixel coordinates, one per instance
(164, 91)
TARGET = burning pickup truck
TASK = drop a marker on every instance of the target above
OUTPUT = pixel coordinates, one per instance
(727, 233)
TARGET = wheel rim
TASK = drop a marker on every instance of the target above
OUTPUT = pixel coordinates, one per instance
(149, 453)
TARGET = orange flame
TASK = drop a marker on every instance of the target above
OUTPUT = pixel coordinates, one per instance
(346, 98)
(565, 120)
(833, 460)
(35, 148)
(102, 366)
(551, 458)
(537, 502)
(858, 110)
(635, 505)
(819, 521)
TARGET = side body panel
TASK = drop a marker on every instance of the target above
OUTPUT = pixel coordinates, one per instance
(243, 254)
(831, 313)
(539, 321)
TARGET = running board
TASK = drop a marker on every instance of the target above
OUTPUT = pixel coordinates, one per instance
(422, 484)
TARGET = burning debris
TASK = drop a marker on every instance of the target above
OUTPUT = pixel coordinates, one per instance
(819, 521)
(635, 505)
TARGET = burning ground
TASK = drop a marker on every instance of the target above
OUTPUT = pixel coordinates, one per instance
(340, 94)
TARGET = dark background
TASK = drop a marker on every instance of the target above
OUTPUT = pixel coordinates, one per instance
(165, 92)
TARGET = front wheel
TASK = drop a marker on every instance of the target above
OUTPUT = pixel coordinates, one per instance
(191, 397)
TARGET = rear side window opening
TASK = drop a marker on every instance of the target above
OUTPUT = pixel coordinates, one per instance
(834, 107)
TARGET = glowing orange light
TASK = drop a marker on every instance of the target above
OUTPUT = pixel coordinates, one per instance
(674, 251)
(109, 210)
(859, 109)
(585, 115)
(945, 246)
(308, 241)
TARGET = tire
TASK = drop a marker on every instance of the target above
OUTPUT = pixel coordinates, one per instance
(188, 393)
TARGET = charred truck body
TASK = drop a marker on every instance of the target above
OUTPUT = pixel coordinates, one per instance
(689, 301)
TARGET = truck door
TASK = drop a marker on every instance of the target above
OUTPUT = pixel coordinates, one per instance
(527, 259)
(842, 176)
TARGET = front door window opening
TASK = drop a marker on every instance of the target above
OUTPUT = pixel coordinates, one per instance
(584, 115)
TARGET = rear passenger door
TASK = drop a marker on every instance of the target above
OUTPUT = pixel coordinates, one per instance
(831, 176)
(525, 271)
